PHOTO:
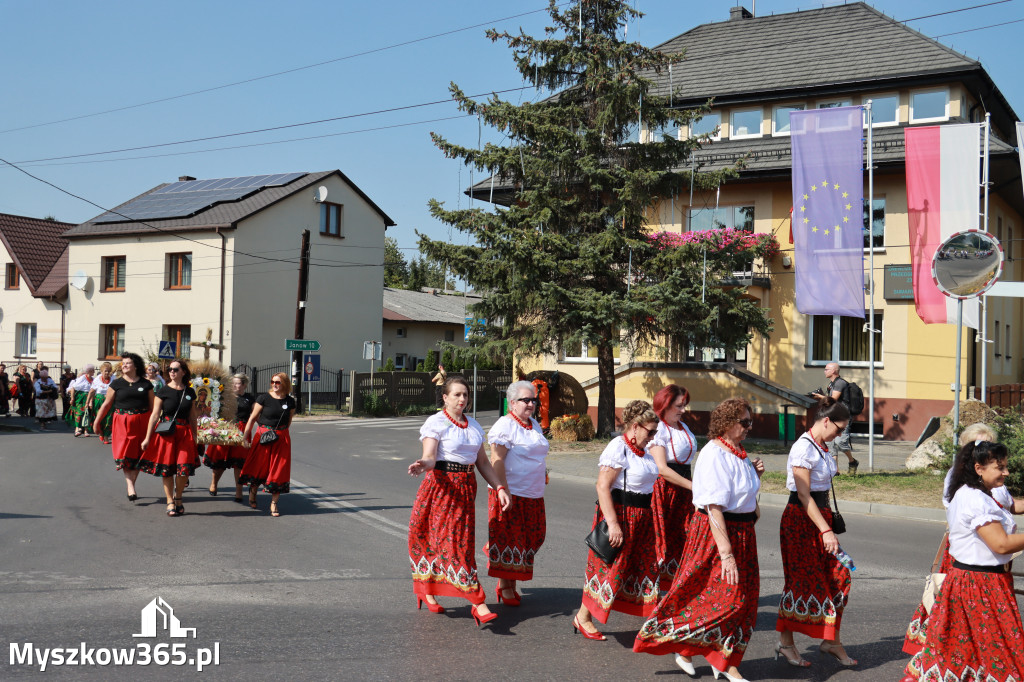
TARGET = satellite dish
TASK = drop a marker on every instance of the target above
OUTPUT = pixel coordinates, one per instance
(80, 280)
(321, 194)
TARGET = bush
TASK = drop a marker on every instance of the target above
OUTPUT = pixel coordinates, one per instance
(389, 366)
(430, 364)
(376, 404)
(1009, 425)
(420, 368)
(572, 427)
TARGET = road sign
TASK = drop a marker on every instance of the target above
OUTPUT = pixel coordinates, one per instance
(470, 323)
(302, 344)
(311, 367)
(168, 350)
(371, 350)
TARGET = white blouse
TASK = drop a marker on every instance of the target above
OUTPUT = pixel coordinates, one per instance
(970, 509)
(640, 472)
(454, 444)
(680, 444)
(82, 384)
(806, 454)
(722, 478)
(99, 386)
(1001, 494)
(526, 458)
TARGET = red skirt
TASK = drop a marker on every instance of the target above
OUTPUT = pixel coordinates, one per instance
(672, 507)
(817, 586)
(630, 584)
(129, 431)
(226, 456)
(173, 455)
(913, 641)
(269, 466)
(702, 615)
(442, 544)
(514, 536)
(974, 631)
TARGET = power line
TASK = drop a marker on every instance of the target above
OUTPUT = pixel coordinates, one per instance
(980, 28)
(954, 11)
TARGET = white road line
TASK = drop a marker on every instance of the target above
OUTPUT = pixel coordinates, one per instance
(322, 499)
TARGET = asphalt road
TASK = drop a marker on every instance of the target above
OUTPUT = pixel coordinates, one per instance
(324, 593)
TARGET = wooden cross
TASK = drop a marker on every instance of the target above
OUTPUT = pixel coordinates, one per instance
(207, 344)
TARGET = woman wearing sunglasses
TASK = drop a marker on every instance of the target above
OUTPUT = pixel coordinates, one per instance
(519, 453)
(715, 591)
(173, 455)
(817, 585)
(673, 448)
(624, 485)
(270, 464)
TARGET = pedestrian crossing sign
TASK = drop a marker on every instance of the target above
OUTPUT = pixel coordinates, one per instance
(168, 350)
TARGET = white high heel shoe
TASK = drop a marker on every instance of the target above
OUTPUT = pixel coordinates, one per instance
(686, 666)
(726, 675)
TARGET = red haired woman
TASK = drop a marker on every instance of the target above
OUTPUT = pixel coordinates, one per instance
(270, 464)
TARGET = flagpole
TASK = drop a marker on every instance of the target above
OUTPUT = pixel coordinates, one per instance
(984, 224)
(871, 294)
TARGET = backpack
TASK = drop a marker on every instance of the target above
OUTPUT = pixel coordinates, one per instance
(854, 398)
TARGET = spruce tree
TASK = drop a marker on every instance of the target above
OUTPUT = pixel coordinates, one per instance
(568, 256)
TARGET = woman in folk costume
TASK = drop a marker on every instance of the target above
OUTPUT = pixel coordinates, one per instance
(97, 394)
(79, 390)
(131, 399)
(442, 543)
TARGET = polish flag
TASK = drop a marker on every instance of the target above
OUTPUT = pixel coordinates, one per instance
(943, 198)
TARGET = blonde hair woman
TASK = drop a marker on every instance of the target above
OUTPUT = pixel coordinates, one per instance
(270, 464)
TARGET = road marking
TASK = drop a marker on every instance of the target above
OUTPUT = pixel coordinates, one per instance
(322, 499)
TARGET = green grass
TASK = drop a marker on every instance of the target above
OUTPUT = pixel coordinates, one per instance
(908, 488)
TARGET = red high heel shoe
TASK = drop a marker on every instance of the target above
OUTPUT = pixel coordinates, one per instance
(482, 618)
(434, 608)
(514, 601)
(576, 627)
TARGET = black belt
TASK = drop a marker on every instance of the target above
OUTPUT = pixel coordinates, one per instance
(630, 499)
(1002, 568)
(749, 517)
(119, 410)
(452, 467)
(820, 498)
(681, 469)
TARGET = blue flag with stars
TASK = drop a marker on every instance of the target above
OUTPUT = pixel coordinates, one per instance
(828, 210)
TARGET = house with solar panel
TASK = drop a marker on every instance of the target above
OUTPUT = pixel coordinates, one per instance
(217, 261)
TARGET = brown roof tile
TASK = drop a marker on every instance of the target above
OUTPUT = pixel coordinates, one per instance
(35, 245)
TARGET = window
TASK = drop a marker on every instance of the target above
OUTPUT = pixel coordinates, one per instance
(113, 273)
(659, 134)
(112, 341)
(580, 351)
(13, 279)
(885, 110)
(449, 334)
(25, 336)
(1006, 340)
(400, 332)
(929, 105)
(1008, 248)
(780, 118)
(999, 229)
(745, 123)
(330, 220)
(835, 338)
(995, 339)
(181, 334)
(834, 104)
(400, 361)
(736, 217)
(874, 225)
(179, 271)
(710, 124)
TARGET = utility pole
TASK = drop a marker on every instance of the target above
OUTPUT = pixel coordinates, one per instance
(300, 319)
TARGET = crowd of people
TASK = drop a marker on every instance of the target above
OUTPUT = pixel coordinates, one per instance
(681, 527)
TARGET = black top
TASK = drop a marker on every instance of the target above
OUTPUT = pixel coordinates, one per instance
(131, 396)
(273, 409)
(4, 379)
(840, 384)
(244, 407)
(171, 397)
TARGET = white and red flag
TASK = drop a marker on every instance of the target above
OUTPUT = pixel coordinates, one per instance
(943, 197)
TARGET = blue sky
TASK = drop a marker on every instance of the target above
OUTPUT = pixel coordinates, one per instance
(68, 60)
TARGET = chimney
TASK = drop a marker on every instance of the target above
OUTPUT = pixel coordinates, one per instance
(185, 178)
(739, 13)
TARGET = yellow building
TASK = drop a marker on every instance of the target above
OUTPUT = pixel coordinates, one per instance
(757, 70)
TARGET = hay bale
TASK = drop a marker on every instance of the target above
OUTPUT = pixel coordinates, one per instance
(568, 397)
(572, 428)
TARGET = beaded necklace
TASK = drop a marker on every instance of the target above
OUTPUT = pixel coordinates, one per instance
(461, 426)
(528, 427)
(672, 441)
(823, 446)
(636, 451)
(741, 453)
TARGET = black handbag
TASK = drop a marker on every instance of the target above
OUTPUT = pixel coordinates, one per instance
(598, 541)
(166, 428)
(268, 436)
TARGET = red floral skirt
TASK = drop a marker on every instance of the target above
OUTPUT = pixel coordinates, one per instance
(270, 465)
(817, 586)
(974, 631)
(672, 507)
(917, 631)
(442, 541)
(702, 615)
(226, 456)
(514, 536)
(173, 455)
(129, 430)
(630, 584)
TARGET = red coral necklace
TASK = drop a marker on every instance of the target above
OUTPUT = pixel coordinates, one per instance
(528, 427)
(452, 420)
(636, 451)
(741, 453)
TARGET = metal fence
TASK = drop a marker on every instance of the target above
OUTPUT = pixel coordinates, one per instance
(401, 389)
(331, 391)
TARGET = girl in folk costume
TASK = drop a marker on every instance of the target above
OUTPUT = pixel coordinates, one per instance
(97, 394)
(46, 392)
(221, 457)
(131, 398)
(673, 448)
(269, 464)
(79, 390)
(817, 585)
(442, 544)
(519, 453)
(711, 607)
(974, 629)
(625, 483)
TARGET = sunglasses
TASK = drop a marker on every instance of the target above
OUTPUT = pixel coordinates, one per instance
(174, 369)
(529, 401)
(275, 383)
(746, 423)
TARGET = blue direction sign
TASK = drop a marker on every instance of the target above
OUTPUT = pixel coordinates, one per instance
(311, 367)
(168, 350)
(302, 344)
(469, 327)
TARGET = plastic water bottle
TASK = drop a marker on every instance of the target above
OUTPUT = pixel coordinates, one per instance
(845, 559)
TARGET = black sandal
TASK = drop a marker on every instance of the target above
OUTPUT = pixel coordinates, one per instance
(172, 510)
(178, 507)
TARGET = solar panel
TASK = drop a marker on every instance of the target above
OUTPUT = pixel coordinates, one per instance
(187, 198)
